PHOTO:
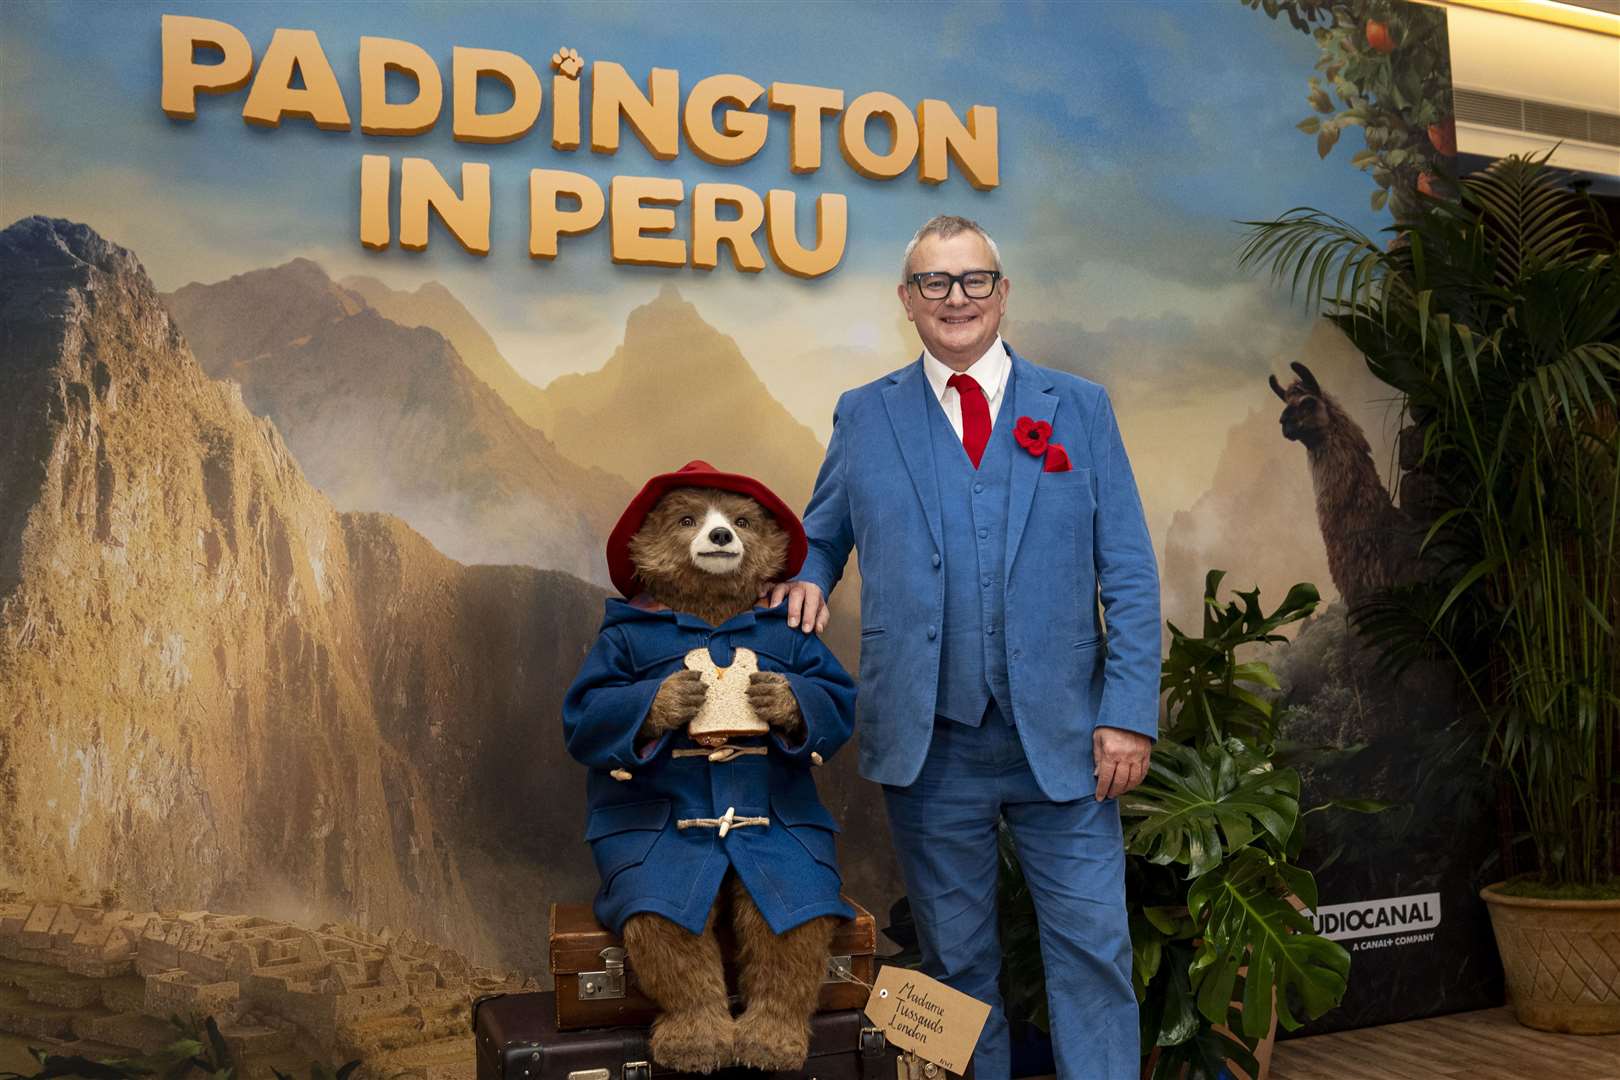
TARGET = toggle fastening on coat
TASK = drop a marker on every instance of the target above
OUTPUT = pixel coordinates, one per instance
(665, 821)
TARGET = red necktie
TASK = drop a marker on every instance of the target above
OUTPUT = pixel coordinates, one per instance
(975, 416)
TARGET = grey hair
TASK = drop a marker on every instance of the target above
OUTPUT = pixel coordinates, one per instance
(946, 226)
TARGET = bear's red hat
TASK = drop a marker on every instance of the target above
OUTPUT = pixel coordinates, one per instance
(696, 474)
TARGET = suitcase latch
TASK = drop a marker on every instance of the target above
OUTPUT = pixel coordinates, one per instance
(637, 1070)
(608, 983)
(590, 1074)
(874, 1042)
(840, 969)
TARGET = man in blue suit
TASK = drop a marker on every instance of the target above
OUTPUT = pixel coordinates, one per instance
(992, 506)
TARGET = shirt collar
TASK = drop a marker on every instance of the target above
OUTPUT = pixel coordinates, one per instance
(989, 370)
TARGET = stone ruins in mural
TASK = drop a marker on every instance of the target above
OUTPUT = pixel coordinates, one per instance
(111, 978)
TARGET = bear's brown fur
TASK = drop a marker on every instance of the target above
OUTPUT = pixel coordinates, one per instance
(779, 975)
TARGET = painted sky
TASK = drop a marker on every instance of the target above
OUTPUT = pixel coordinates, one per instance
(1133, 136)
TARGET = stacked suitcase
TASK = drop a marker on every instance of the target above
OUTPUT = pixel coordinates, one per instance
(593, 1024)
(594, 989)
(518, 1040)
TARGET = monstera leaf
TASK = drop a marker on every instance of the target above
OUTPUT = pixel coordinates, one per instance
(1208, 1052)
(1197, 807)
(1208, 694)
(1247, 919)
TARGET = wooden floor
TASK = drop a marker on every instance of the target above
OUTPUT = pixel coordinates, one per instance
(1487, 1045)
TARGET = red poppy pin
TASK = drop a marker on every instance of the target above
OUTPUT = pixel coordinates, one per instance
(1036, 437)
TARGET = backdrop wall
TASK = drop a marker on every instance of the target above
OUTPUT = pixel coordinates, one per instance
(301, 539)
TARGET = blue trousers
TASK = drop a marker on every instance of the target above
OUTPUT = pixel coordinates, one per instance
(1073, 857)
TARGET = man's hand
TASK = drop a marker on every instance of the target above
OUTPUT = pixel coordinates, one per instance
(806, 606)
(1122, 760)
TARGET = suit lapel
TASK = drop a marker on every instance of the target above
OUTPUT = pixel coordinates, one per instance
(906, 398)
(1033, 399)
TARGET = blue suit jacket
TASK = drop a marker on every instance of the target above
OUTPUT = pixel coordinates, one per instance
(648, 863)
(1072, 537)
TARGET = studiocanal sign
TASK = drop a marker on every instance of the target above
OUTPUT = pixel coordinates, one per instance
(1404, 920)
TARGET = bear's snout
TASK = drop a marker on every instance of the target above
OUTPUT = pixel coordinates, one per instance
(716, 548)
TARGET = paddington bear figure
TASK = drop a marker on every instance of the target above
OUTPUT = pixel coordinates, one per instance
(703, 810)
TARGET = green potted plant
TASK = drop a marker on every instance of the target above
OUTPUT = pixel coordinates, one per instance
(1223, 948)
(1496, 316)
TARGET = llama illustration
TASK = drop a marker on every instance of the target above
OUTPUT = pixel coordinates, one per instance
(1371, 544)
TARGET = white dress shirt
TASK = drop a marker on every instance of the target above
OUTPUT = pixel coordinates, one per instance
(989, 371)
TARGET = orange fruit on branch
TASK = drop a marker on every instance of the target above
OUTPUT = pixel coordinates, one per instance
(1443, 137)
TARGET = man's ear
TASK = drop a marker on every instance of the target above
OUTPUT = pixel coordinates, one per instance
(904, 292)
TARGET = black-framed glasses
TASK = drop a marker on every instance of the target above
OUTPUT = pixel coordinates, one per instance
(976, 284)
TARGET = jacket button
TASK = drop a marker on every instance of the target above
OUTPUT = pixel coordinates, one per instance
(936, 558)
(983, 533)
(933, 632)
(977, 488)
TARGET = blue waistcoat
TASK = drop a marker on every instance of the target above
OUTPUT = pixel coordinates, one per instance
(973, 512)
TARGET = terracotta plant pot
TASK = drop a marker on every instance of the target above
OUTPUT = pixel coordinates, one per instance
(1562, 959)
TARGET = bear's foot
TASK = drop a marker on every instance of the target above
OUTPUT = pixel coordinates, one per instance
(693, 1040)
(772, 1043)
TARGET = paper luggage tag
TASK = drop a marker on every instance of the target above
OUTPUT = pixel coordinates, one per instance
(926, 1017)
(725, 711)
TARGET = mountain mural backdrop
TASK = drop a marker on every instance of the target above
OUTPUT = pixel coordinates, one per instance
(231, 692)
(383, 416)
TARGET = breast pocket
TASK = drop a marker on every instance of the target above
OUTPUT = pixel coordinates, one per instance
(622, 836)
(1056, 547)
(1079, 520)
(1078, 479)
(1060, 520)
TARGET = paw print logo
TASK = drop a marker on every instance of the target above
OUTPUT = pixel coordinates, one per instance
(567, 62)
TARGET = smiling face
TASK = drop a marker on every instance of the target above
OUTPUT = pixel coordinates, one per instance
(708, 551)
(958, 329)
(717, 546)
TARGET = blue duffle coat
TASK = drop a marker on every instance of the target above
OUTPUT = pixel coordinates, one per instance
(648, 863)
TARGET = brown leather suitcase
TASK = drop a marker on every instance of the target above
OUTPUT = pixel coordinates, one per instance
(596, 988)
(517, 1039)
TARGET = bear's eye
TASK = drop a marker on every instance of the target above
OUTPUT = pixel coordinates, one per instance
(742, 523)
(688, 521)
